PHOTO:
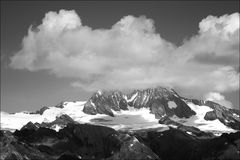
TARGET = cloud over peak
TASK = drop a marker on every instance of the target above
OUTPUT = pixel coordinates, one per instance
(132, 55)
(218, 98)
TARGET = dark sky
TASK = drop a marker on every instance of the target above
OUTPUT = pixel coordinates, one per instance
(24, 90)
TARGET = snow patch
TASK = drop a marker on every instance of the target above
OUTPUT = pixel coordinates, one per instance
(189, 133)
(93, 104)
(18, 120)
(57, 127)
(171, 104)
(99, 92)
(234, 114)
(133, 97)
(174, 93)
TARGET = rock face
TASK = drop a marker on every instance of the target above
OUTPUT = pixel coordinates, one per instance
(229, 117)
(211, 115)
(158, 100)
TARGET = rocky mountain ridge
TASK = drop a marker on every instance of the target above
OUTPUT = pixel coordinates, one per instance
(162, 102)
(70, 136)
(156, 99)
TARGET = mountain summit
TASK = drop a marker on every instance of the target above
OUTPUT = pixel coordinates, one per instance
(142, 124)
(138, 109)
(161, 102)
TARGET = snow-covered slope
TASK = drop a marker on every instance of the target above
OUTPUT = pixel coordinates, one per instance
(198, 120)
(132, 118)
(17, 120)
(140, 109)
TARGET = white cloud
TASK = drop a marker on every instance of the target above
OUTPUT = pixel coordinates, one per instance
(218, 98)
(131, 54)
(223, 26)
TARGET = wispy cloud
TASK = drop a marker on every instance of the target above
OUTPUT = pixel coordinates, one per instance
(132, 55)
(218, 98)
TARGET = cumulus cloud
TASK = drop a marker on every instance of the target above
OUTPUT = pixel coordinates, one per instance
(132, 55)
(217, 40)
(218, 98)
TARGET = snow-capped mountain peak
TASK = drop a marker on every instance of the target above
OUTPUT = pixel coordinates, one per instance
(138, 109)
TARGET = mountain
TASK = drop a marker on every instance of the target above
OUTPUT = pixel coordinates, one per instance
(138, 109)
(160, 101)
(144, 124)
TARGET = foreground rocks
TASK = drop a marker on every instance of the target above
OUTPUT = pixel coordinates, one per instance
(75, 141)
(175, 144)
(14, 149)
(85, 141)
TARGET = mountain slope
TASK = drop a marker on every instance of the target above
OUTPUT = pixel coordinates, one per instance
(164, 102)
(159, 100)
(139, 109)
(229, 117)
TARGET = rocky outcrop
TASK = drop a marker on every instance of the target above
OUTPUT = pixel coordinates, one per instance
(60, 122)
(31, 126)
(156, 99)
(40, 111)
(43, 109)
(131, 148)
(211, 115)
(60, 105)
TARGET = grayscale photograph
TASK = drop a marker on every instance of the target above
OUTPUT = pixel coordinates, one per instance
(120, 80)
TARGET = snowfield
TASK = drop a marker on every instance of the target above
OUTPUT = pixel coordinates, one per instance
(132, 119)
(136, 118)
